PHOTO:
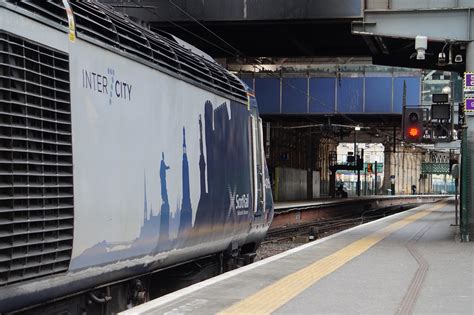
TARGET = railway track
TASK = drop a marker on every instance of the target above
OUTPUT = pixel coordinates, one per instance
(284, 238)
(350, 219)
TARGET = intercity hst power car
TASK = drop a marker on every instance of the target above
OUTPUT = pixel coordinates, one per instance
(123, 153)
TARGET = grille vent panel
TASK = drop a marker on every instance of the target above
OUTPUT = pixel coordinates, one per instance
(52, 10)
(102, 23)
(36, 183)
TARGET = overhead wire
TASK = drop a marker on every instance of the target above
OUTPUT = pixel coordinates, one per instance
(259, 63)
(182, 28)
(239, 54)
(204, 26)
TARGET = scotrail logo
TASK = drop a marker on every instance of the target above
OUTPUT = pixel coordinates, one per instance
(238, 204)
(107, 84)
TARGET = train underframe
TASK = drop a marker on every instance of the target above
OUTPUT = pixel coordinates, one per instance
(124, 294)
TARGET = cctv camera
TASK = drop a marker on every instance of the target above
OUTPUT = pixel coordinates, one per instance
(441, 58)
(420, 55)
(421, 44)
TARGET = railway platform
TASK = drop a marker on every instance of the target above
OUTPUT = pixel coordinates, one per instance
(325, 202)
(411, 262)
(297, 213)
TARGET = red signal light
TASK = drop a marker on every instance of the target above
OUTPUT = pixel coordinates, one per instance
(413, 132)
(413, 124)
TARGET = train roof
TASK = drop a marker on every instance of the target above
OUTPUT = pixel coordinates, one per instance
(101, 23)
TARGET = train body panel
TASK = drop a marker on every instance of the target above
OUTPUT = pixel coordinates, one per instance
(136, 138)
(164, 171)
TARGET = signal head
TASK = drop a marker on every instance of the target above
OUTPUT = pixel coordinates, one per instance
(413, 117)
(413, 132)
(413, 127)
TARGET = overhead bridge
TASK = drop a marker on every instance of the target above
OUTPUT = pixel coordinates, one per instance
(256, 28)
(347, 91)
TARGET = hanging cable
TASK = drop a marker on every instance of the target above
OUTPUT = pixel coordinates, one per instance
(239, 54)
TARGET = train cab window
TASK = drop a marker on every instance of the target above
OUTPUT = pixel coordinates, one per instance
(258, 164)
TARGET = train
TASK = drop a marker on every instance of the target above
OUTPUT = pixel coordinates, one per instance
(127, 158)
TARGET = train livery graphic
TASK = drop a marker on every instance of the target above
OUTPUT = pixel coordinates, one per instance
(123, 154)
(165, 229)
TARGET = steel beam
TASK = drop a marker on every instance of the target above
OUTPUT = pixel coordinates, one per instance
(416, 4)
(437, 24)
(238, 10)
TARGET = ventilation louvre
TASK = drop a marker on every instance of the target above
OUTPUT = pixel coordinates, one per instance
(101, 23)
(52, 10)
(157, 48)
(36, 183)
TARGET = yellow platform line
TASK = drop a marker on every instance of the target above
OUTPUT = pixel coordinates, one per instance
(279, 293)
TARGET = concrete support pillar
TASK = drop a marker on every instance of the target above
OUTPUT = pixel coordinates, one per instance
(419, 159)
(405, 165)
(430, 184)
(398, 175)
(426, 180)
(405, 171)
(412, 181)
(402, 171)
(329, 147)
(409, 171)
(409, 182)
(389, 167)
(310, 152)
(414, 178)
(422, 178)
(322, 169)
(326, 145)
(467, 164)
(417, 156)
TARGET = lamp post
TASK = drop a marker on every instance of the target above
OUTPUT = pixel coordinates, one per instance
(357, 128)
